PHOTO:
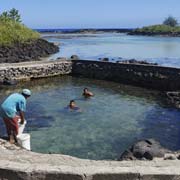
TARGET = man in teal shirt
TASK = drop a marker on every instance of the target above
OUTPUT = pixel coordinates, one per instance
(11, 110)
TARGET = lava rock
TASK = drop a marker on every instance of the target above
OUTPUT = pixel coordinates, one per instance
(174, 98)
(29, 51)
(144, 149)
(134, 61)
(127, 155)
(9, 82)
(74, 57)
(105, 59)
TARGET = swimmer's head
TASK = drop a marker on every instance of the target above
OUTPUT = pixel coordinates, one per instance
(85, 89)
(72, 103)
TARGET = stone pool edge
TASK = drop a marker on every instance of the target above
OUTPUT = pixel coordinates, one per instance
(19, 164)
(147, 76)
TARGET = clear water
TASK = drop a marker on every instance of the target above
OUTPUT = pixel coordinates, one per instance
(110, 122)
(163, 50)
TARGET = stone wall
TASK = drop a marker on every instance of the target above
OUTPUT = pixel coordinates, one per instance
(32, 70)
(149, 76)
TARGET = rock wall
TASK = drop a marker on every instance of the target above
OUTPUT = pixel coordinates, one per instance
(29, 51)
(148, 76)
(32, 70)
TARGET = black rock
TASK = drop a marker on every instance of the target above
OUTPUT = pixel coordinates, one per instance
(127, 155)
(29, 51)
(148, 156)
(174, 98)
(74, 57)
(9, 82)
(134, 61)
(105, 59)
(144, 149)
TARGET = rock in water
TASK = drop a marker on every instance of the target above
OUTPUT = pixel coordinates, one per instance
(74, 57)
(105, 59)
(174, 98)
(144, 149)
(9, 82)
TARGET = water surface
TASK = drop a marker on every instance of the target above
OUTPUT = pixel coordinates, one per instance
(163, 50)
(110, 122)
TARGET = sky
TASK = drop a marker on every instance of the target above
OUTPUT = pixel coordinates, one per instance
(92, 13)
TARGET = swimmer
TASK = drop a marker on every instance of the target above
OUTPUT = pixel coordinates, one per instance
(87, 93)
(72, 106)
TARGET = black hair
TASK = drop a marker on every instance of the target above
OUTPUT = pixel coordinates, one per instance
(71, 101)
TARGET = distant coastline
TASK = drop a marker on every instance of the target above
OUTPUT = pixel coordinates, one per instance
(156, 30)
(101, 30)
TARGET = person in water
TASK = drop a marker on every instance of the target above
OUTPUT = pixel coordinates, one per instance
(87, 93)
(11, 110)
(72, 106)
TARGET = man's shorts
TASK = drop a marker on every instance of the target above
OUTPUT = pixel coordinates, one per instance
(12, 125)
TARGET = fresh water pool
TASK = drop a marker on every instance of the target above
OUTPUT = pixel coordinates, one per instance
(110, 122)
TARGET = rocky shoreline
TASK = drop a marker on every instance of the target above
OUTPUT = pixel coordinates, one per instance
(29, 51)
(169, 34)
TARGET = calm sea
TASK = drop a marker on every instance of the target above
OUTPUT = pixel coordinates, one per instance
(118, 46)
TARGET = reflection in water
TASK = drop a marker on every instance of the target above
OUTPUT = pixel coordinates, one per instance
(110, 122)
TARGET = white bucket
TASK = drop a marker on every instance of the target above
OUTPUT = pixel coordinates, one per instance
(24, 140)
(21, 127)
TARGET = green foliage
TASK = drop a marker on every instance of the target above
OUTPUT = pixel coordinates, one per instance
(170, 21)
(12, 31)
(158, 29)
(13, 15)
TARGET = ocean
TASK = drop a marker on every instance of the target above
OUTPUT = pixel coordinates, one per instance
(116, 46)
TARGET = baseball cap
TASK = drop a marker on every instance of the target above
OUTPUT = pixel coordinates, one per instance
(26, 92)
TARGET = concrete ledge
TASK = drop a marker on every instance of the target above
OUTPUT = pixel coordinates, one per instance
(19, 164)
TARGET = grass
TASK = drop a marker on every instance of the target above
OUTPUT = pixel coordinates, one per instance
(13, 32)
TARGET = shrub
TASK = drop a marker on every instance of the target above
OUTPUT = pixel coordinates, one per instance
(12, 31)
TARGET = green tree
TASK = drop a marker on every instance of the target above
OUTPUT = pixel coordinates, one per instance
(13, 15)
(4, 16)
(170, 21)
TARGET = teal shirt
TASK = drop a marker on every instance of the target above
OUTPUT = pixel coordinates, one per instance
(14, 103)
